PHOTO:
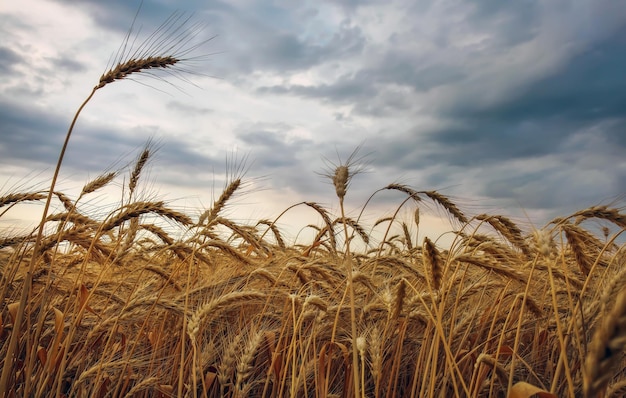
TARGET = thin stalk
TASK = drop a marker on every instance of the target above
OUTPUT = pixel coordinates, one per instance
(28, 280)
(348, 261)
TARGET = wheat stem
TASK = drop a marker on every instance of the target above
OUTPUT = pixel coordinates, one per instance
(28, 280)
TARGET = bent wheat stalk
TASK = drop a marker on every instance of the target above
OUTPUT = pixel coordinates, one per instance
(173, 38)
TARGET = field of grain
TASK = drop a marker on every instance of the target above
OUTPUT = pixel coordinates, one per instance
(147, 301)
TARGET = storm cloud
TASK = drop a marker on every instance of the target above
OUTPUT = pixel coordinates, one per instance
(518, 104)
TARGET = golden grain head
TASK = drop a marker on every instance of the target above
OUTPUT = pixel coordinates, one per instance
(166, 48)
(606, 350)
(124, 70)
(361, 345)
(340, 180)
(543, 242)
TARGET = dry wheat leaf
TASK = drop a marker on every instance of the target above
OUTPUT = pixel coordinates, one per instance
(83, 296)
(327, 353)
(153, 338)
(58, 321)
(165, 390)
(54, 355)
(526, 390)
(210, 378)
(505, 352)
(42, 354)
(277, 364)
(13, 310)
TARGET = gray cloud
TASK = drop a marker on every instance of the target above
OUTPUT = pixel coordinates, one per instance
(345, 90)
(28, 135)
(269, 147)
(67, 64)
(189, 110)
(117, 15)
(253, 37)
(32, 137)
(8, 58)
(522, 103)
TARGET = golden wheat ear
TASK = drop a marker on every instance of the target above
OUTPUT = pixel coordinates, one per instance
(606, 349)
(135, 66)
(341, 173)
(168, 48)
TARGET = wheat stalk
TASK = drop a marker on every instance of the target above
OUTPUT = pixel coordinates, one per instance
(399, 300)
(355, 226)
(98, 183)
(406, 189)
(228, 249)
(209, 215)
(246, 361)
(137, 209)
(15, 240)
(21, 197)
(606, 349)
(432, 260)
(196, 319)
(158, 231)
(585, 246)
(601, 212)
(341, 178)
(245, 235)
(488, 264)
(275, 231)
(139, 165)
(329, 224)
(67, 202)
(617, 390)
(447, 204)
(382, 220)
(264, 273)
(75, 218)
(407, 237)
(508, 229)
(123, 70)
(376, 353)
(227, 366)
(161, 50)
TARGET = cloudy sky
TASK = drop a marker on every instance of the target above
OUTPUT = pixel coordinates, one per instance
(508, 107)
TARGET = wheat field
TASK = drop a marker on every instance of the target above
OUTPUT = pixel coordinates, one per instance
(148, 301)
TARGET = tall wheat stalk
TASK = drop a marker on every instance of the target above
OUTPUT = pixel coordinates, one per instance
(341, 180)
(165, 48)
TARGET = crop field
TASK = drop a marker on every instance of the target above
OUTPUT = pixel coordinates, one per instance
(115, 305)
(147, 301)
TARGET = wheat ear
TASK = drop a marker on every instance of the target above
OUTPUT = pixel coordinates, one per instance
(139, 165)
(245, 366)
(208, 216)
(20, 197)
(447, 204)
(272, 226)
(606, 349)
(432, 260)
(98, 183)
(122, 71)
